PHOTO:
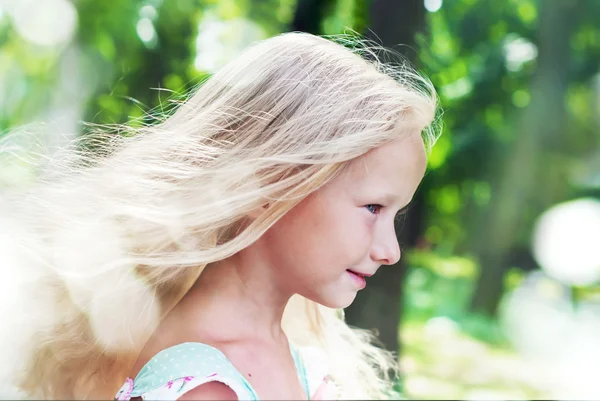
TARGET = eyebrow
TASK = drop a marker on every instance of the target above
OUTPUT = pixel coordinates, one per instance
(389, 197)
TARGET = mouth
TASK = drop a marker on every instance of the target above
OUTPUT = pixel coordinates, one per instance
(358, 278)
(363, 275)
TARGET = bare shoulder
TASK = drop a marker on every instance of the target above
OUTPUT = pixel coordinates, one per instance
(215, 391)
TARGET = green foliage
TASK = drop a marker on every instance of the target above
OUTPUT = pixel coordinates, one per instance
(441, 286)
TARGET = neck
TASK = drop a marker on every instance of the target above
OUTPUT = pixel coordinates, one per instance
(235, 299)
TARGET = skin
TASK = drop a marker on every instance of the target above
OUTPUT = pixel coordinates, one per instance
(237, 304)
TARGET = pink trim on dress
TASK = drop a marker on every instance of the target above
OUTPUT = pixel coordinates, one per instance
(124, 393)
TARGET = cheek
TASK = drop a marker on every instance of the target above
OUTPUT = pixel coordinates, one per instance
(303, 235)
(313, 236)
(310, 229)
(358, 234)
(292, 239)
(336, 235)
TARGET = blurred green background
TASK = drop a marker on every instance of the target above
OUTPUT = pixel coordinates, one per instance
(497, 295)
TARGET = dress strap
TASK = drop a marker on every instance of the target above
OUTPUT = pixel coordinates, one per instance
(314, 368)
(176, 370)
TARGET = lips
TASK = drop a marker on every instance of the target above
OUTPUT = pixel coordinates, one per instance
(359, 273)
(358, 278)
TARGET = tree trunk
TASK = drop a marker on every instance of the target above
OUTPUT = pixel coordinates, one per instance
(525, 181)
(379, 305)
(309, 14)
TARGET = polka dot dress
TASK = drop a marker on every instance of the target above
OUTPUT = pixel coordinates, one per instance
(178, 369)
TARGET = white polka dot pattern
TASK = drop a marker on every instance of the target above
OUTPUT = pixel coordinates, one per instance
(165, 377)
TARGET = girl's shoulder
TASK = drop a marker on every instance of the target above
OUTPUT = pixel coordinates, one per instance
(176, 370)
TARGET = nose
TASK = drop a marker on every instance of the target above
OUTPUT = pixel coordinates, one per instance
(386, 251)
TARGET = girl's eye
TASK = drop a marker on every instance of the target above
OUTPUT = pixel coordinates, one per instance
(374, 208)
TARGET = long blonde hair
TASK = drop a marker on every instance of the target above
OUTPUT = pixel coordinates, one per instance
(107, 241)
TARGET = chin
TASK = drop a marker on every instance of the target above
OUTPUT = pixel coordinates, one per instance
(336, 302)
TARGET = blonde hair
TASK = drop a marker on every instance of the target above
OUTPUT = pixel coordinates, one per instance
(108, 241)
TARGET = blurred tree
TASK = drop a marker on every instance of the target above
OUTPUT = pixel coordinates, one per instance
(391, 23)
(310, 14)
(138, 69)
(525, 177)
(519, 121)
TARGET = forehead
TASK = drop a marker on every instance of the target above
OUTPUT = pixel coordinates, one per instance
(402, 158)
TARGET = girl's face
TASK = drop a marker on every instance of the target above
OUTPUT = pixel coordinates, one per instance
(344, 230)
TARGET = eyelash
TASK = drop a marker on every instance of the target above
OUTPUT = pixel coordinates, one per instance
(379, 207)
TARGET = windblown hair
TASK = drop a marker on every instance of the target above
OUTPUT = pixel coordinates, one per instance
(107, 241)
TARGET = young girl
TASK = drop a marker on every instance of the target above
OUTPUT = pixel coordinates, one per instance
(210, 256)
